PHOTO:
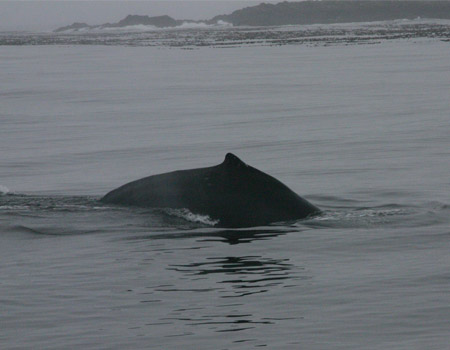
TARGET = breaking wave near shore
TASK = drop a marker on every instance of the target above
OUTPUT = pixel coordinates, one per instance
(145, 28)
(222, 34)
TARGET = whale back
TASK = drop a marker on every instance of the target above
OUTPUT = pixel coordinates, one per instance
(232, 192)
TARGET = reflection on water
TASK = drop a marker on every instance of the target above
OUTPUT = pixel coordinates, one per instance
(218, 322)
(245, 275)
(212, 290)
(247, 236)
(233, 281)
(235, 236)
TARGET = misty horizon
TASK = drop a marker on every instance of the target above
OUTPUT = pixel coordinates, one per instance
(48, 15)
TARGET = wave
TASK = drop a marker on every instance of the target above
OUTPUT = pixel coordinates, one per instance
(4, 190)
(201, 34)
(200, 25)
(387, 215)
(39, 203)
(146, 28)
(92, 215)
(187, 215)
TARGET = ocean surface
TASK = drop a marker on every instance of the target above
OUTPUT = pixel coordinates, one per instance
(359, 127)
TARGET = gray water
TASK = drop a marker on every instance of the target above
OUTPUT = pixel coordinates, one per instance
(362, 131)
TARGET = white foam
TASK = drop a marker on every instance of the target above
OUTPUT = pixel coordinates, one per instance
(191, 25)
(224, 24)
(356, 214)
(187, 215)
(14, 207)
(133, 28)
(146, 28)
(4, 190)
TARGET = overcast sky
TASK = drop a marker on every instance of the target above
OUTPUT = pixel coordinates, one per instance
(48, 15)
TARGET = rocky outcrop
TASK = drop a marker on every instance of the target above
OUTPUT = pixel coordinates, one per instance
(304, 12)
(75, 26)
(130, 20)
(312, 12)
(133, 20)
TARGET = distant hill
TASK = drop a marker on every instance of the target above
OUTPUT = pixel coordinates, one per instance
(130, 20)
(304, 12)
(312, 12)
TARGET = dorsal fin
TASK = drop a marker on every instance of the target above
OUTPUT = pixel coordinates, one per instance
(232, 161)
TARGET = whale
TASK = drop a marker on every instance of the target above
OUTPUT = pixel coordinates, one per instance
(233, 194)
